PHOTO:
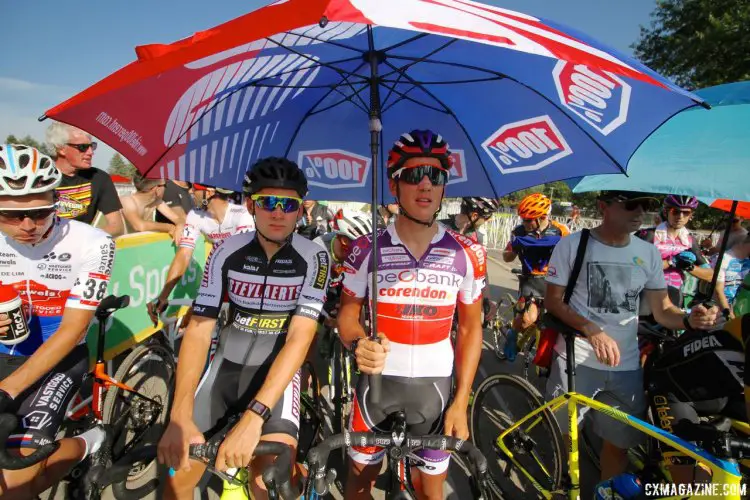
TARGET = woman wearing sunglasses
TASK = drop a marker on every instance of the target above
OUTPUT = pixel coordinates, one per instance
(424, 272)
(275, 282)
(60, 269)
(679, 251)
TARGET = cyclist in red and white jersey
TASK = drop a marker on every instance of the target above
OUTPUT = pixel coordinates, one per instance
(216, 219)
(60, 281)
(424, 271)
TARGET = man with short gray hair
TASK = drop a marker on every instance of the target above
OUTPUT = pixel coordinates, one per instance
(84, 190)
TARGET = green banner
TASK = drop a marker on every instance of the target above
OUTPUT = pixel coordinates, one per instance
(140, 270)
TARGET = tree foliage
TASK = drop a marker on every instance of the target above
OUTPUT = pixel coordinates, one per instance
(30, 141)
(698, 43)
(118, 166)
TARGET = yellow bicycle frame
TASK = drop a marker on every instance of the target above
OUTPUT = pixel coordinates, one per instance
(725, 474)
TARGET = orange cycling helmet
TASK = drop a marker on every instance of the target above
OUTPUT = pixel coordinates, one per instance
(534, 206)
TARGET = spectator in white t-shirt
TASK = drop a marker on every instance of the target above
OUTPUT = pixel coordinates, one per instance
(618, 268)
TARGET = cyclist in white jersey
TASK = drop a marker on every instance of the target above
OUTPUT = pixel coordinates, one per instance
(424, 272)
(60, 268)
(216, 219)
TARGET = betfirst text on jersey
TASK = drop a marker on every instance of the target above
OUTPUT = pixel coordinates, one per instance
(10, 304)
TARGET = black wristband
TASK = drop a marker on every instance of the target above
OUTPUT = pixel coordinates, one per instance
(259, 409)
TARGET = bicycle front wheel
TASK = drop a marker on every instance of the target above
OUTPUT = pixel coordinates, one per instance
(499, 402)
(135, 421)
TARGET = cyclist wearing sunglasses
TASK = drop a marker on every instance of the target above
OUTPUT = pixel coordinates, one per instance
(679, 250)
(275, 281)
(84, 190)
(618, 271)
(424, 272)
(60, 269)
(347, 225)
(216, 219)
(475, 212)
(532, 242)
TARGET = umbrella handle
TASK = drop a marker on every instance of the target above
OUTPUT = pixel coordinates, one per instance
(375, 382)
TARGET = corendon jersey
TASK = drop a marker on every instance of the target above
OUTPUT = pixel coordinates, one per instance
(417, 297)
(236, 220)
(669, 247)
(70, 268)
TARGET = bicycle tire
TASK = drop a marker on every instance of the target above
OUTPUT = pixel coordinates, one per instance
(125, 432)
(497, 391)
(312, 422)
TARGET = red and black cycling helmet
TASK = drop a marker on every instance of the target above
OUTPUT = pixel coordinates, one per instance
(418, 144)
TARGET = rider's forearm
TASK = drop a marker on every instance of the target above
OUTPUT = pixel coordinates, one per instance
(468, 354)
(703, 273)
(670, 317)
(350, 328)
(570, 317)
(288, 361)
(39, 364)
(195, 345)
(177, 269)
(159, 227)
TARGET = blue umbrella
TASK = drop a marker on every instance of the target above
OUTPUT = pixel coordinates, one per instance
(521, 100)
(699, 152)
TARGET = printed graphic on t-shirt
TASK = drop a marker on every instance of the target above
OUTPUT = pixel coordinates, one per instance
(74, 200)
(610, 288)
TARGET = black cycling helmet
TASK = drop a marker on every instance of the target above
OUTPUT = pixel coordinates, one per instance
(418, 144)
(485, 207)
(274, 172)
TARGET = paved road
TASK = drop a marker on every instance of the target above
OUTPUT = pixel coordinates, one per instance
(457, 486)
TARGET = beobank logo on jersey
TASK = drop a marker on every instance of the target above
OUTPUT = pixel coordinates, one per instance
(525, 145)
(458, 170)
(599, 98)
(334, 168)
(432, 287)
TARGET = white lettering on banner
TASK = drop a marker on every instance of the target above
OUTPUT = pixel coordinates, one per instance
(599, 98)
(334, 168)
(147, 285)
(526, 145)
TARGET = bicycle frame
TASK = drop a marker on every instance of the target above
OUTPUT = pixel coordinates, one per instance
(725, 473)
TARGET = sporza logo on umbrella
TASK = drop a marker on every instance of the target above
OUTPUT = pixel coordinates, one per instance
(525, 145)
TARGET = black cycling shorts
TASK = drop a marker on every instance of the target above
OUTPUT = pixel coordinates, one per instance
(227, 389)
(41, 408)
(424, 401)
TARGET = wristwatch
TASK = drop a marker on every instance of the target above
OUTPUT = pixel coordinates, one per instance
(260, 409)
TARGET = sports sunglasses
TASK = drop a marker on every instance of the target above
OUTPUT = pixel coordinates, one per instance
(269, 202)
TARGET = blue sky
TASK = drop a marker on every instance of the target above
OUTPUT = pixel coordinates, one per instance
(60, 48)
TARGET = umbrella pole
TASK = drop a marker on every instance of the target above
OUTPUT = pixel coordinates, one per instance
(375, 126)
(722, 249)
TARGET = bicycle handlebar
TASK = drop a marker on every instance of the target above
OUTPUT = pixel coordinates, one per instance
(719, 443)
(8, 422)
(277, 476)
(317, 457)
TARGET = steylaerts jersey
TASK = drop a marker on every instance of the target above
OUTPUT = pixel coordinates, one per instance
(263, 295)
(417, 297)
(236, 220)
(70, 268)
(534, 249)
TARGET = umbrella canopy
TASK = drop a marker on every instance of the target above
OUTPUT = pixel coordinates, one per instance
(521, 100)
(699, 152)
(743, 207)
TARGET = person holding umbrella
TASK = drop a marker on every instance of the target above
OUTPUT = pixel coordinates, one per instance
(424, 272)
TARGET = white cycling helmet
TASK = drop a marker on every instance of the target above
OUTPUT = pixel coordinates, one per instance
(26, 170)
(352, 224)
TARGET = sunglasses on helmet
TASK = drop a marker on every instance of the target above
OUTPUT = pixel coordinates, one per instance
(414, 175)
(268, 202)
(83, 147)
(18, 215)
